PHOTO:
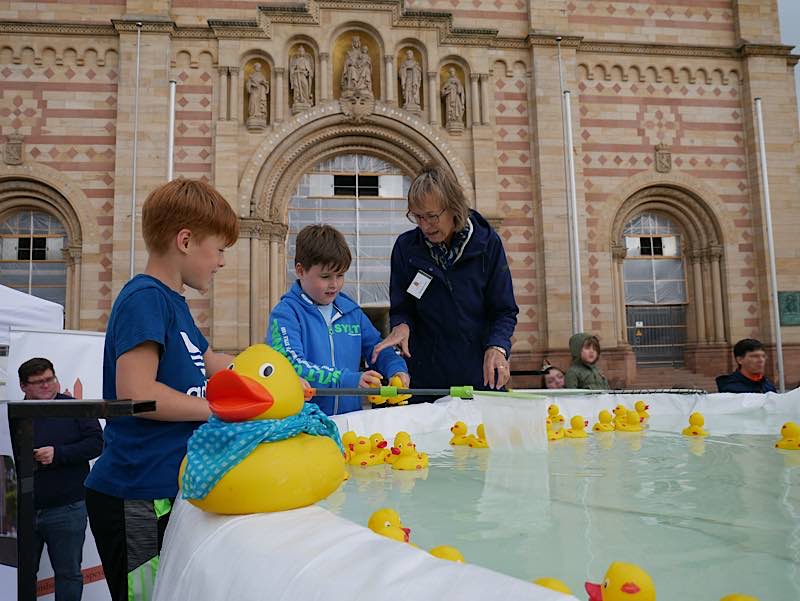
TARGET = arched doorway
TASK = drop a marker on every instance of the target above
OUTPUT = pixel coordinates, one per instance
(655, 289)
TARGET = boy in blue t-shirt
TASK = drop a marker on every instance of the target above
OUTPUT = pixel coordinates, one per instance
(153, 350)
(324, 333)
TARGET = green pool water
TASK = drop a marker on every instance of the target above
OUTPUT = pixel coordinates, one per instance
(705, 517)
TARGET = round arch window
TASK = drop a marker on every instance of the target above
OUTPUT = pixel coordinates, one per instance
(31, 257)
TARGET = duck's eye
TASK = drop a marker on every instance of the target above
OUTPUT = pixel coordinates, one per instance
(230, 366)
(605, 583)
(266, 370)
(387, 524)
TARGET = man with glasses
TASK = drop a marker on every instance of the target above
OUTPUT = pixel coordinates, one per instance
(62, 450)
(751, 362)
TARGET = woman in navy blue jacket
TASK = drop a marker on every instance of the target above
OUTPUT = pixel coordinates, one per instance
(452, 301)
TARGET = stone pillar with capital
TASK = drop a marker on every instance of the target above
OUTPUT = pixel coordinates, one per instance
(277, 237)
(223, 94)
(234, 99)
(484, 77)
(324, 76)
(72, 256)
(279, 94)
(390, 85)
(433, 107)
(696, 259)
(475, 98)
(715, 257)
(618, 254)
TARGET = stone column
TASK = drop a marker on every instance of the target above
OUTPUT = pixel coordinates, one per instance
(324, 86)
(277, 236)
(475, 100)
(696, 258)
(484, 98)
(235, 98)
(618, 254)
(433, 97)
(279, 72)
(223, 94)
(72, 256)
(391, 84)
(255, 335)
(715, 256)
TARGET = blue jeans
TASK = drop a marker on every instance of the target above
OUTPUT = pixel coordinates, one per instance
(63, 529)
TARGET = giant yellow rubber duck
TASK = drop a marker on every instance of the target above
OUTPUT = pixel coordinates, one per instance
(260, 397)
(790, 437)
(459, 431)
(605, 422)
(386, 522)
(695, 427)
(577, 430)
(641, 408)
(478, 440)
(623, 582)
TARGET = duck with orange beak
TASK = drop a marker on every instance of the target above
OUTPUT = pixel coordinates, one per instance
(623, 582)
(263, 449)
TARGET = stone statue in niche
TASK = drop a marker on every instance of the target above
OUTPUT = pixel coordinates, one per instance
(258, 89)
(410, 82)
(454, 102)
(301, 80)
(357, 100)
(357, 70)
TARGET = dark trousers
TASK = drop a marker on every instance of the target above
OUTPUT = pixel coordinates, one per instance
(63, 529)
(128, 534)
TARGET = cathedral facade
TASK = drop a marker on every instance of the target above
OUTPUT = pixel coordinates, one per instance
(324, 111)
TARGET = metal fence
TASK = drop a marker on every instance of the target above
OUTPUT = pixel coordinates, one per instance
(657, 333)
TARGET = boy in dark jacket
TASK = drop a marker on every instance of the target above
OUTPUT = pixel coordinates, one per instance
(322, 331)
(749, 375)
(62, 450)
(583, 373)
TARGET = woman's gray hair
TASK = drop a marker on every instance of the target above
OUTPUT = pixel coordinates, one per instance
(440, 183)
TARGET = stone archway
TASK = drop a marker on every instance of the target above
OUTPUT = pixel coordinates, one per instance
(286, 153)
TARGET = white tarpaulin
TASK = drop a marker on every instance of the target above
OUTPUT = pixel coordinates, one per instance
(21, 310)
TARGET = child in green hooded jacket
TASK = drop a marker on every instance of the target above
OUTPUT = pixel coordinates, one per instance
(583, 373)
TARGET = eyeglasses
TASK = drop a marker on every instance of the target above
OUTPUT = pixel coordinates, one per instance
(431, 219)
(42, 382)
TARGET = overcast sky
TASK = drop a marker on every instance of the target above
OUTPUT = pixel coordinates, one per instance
(790, 31)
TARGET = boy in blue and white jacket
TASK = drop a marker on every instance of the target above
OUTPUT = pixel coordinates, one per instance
(322, 331)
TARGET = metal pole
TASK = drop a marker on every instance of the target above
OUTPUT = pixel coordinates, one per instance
(762, 155)
(577, 325)
(135, 148)
(171, 130)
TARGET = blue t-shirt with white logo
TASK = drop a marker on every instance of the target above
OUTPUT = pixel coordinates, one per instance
(142, 456)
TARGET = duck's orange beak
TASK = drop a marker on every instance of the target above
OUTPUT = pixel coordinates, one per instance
(395, 451)
(407, 532)
(235, 398)
(595, 591)
(382, 444)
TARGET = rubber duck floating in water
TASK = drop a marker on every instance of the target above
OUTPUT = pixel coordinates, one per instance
(379, 446)
(641, 408)
(459, 430)
(286, 452)
(553, 435)
(386, 522)
(695, 427)
(554, 416)
(577, 430)
(400, 439)
(738, 597)
(631, 423)
(349, 439)
(408, 458)
(620, 413)
(605, 422)
(364, 456)
(478, 440)
(553, 584)
(790, 437)
(623, 582)
(447, 552)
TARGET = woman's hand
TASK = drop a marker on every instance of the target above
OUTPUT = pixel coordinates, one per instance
(397, 337)
(495, 364)
(370, 379)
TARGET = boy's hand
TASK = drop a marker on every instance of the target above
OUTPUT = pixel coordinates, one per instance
(404, 378)
(370, 379)
(397, 337)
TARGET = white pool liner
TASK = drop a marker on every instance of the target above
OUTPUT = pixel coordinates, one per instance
(311, 553)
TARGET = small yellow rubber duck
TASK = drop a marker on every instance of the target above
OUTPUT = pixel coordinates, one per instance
(349, 439)
(739, 597)
(400, 439)
(408, 458)
(459, 430)
(400, 399)
(620, 413)
(631, 423)
(553, 435)
(554, 415)
(577, 430)
(623, 582)
(695, 427)
(379, 446)
(363, 455)
(386, 522)
(447, 552)
(790, 437)
(553, 584)
(605, 422)
(641, 408)
(478, 440)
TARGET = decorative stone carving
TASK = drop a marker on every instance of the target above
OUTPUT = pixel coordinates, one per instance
(663, 162)
(14, 149)
(301, 80)
(357, 100)
(454, 103)
(258, 89)
(410, 74)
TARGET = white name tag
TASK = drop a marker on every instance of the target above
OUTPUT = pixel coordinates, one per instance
(419, 284)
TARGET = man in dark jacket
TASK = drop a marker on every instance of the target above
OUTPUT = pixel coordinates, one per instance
(749, 376)
(62, 450)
